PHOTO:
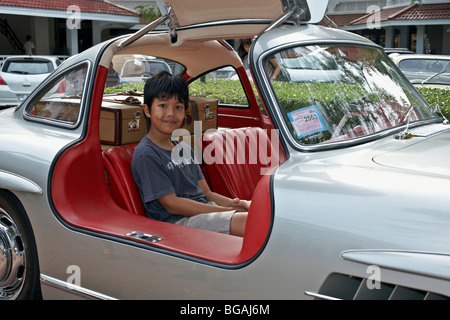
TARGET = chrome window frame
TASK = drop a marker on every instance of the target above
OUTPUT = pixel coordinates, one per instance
(49, 81)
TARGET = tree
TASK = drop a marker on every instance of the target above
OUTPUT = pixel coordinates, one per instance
(148, 12)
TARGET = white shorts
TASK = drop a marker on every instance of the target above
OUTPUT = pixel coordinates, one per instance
(212, 221)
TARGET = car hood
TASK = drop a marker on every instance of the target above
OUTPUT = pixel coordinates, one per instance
(430, 155)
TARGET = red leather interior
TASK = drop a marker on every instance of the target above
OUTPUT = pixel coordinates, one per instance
(82, 199)
(236, 159)
(121, 182)
(125, 193)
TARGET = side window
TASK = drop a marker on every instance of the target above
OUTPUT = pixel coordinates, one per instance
(61, 100)
(222, 84)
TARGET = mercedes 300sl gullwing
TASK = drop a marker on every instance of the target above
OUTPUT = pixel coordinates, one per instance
(346, 166)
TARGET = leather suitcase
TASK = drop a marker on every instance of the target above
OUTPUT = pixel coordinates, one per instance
(201, 109)
(122, 120)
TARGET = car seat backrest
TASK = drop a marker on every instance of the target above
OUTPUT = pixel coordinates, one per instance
(236, 159)
(117, 161)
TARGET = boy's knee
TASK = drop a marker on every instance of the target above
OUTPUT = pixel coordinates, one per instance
(237, 225)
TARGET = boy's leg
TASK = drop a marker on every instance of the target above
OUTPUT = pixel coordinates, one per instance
(237, 224)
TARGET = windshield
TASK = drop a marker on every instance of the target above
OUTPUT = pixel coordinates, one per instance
(335, 93)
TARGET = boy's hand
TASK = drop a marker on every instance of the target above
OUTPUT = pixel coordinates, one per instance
(241, 205)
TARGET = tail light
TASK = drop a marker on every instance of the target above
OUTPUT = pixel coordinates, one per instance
(2, 82)
(61, 87)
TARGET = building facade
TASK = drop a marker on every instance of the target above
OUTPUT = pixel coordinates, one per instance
(61, 27)
(422, 28)
(66, 27)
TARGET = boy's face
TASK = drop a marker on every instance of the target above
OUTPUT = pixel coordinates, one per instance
(166, 114)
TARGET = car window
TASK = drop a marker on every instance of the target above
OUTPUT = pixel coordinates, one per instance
(28, 66)
(424, 65)
(222, 84)
(130, 71)
(60, 101)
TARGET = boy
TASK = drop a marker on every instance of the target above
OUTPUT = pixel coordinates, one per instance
(175, 191)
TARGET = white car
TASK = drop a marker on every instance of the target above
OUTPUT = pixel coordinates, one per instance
(19, 76)
(139, 68)
(429, 70)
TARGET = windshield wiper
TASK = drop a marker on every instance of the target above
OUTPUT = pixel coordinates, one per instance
(432, 76)
(405, 133)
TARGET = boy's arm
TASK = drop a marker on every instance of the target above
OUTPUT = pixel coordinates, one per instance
(235, 204)
(187, 207)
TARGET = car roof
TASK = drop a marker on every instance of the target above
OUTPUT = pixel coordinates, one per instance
(398, 57)
(25, 57)
(309, 33)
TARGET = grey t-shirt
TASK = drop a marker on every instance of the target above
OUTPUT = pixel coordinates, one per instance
(158, 172)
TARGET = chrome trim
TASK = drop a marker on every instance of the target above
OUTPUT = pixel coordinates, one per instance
(276, 23)
(144, 236)
(226, 23)
(15, 182)
(138, 34)
(236, 116)
(73, 289)
(320, 296)
(423, 263)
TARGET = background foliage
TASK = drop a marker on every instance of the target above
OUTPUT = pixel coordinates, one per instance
(230, 92)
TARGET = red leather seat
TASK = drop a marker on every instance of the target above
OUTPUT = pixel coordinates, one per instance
(236, 159)
(124, 191)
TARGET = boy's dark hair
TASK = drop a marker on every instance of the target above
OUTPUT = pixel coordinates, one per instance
(162, 84)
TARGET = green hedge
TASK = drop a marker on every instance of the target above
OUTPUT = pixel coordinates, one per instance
(436, 96)
(230, 92)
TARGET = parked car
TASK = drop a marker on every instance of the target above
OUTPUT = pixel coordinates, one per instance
(349, 179)
(427, 70)
(19, 76)
(398, 50)
(223, 73)
(139, 68)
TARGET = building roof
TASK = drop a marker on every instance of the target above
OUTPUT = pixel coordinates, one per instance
(426, 12)
(86, 6)
(343, 19)
(411, 13)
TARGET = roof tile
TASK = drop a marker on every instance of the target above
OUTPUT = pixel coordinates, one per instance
(87, 6)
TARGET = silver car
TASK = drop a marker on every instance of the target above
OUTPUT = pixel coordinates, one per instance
(348, 179)
(20, 75)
